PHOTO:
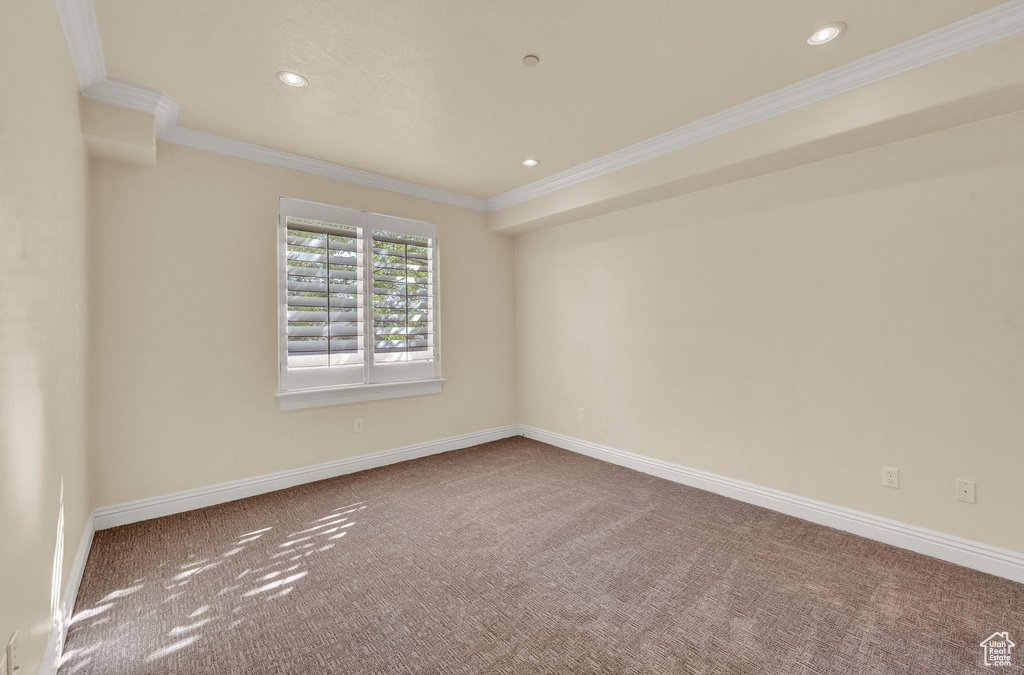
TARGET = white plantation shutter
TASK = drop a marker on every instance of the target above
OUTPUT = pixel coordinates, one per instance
(324, 285)
(358, 295)
(404, 262)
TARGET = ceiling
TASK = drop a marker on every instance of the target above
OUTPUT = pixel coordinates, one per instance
(436, 92)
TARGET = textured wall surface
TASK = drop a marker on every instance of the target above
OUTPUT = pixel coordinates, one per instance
(184, 331)
(43, 329)
(803, 329)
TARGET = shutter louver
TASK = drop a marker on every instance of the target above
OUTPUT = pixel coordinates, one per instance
(357, 297)
(323, 281)
(403, 322)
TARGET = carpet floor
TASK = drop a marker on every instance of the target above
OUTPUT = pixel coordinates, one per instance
(518, 557)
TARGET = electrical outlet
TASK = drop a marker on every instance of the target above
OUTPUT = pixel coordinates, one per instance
(581, 414)
(965, 491)
(13, 665)
(890, 477)
(359, 424)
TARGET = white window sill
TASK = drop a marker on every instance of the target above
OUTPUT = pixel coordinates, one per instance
(352, 393)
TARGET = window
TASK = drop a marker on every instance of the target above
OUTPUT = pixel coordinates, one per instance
(357, 304)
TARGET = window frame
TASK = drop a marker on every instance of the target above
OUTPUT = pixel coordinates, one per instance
(292, 396)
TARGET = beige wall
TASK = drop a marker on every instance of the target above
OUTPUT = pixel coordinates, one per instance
(803, 329)
(184, 333)
(42, 319)
(797, 330)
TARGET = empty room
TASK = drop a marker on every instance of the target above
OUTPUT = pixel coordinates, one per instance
(461, 336)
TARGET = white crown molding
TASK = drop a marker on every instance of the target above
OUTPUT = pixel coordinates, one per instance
(965, 552)
(160, 105)
(79, 22)
(78, 19)
(974, 31)
(197, 498)
(258, 153)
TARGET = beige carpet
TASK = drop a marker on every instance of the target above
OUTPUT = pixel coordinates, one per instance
(517, 557)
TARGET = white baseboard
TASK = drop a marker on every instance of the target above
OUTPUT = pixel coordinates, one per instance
(197, 498)
(55, 645)
(973, 554)
(164, 505)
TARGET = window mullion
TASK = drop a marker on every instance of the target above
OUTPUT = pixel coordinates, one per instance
(282, 297)
(433, 289)
(368, 327)
(304, 379)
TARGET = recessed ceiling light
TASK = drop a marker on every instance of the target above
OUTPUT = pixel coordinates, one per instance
(529, 162)
(292, 79)
(530, 60)
(827, 33)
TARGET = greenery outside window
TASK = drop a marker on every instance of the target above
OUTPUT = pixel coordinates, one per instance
(357, 305)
